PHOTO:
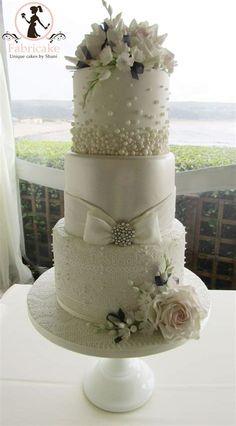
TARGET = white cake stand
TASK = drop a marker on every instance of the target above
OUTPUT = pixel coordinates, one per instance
(119, 381)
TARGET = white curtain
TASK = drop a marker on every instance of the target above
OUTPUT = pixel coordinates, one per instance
(12, 270)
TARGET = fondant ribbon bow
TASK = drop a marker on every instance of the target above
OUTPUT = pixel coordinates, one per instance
(101, 229)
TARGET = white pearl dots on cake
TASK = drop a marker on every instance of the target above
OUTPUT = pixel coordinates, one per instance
(121, 116)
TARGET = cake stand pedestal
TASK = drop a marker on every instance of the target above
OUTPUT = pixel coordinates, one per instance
(119, 381)
(119, 385)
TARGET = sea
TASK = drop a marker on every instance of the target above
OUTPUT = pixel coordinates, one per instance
(191, 123)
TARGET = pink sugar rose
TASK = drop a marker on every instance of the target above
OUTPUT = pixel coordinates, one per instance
(177, 313)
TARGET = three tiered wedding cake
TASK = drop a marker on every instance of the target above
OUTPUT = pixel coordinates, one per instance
(119, 252)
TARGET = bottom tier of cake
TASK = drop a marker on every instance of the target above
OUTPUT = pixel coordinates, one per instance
(72, 333)
(93, 280)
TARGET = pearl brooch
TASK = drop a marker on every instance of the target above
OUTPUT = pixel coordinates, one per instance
(123, 234)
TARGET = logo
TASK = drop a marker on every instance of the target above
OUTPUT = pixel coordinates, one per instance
(34, 21)
(33, 36)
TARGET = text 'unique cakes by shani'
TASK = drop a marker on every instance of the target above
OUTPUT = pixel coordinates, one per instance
(119, 252)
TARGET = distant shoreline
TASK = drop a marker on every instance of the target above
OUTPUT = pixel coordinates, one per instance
(63, 110)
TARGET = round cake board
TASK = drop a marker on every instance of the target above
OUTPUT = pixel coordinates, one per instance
(73, 333)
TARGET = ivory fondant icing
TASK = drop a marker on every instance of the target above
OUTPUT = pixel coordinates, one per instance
(124, 187)
(122, 116)
(121, 98)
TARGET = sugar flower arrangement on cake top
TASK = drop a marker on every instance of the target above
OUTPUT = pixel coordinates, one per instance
(114, 45)
(164, 307)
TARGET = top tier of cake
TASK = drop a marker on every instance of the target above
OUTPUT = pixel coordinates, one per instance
(122, 116)
(121, 90)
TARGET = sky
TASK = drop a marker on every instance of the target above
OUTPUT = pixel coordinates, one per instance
(201, 33)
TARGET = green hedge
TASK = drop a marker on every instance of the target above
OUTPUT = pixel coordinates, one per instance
(51, 154)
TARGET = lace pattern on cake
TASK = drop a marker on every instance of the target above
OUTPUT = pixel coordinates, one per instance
(71, 332)
(91, 278)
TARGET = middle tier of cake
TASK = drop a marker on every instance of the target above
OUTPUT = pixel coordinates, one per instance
(119, 188)
(119, 225)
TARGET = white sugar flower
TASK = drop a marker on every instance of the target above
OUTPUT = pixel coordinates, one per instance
(116, 24)
(72, 59)
(149, 51)
(147, 40)
(117, 21)
(79, 53)
(106, 55)
(94, 42)
(167, 60)
(160, 39)
(124, 61)
(143, 30)
(115, 36)
(141, 27)
(96, 29)
(137, 54)
(165, 265)
(121, 47)
(153, 31)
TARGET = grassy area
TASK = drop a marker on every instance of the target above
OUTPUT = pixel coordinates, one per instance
(187, 157)
(197, 157)
(49, 154)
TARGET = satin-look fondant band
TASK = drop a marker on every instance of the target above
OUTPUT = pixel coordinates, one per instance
(122, 187)
(80, 220)
(99, 225)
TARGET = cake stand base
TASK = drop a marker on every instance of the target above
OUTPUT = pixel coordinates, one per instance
(119, 385)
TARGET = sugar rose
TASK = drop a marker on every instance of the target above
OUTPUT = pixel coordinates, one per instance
(177, 313)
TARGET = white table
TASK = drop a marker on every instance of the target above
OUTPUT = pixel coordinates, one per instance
(41, 383)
